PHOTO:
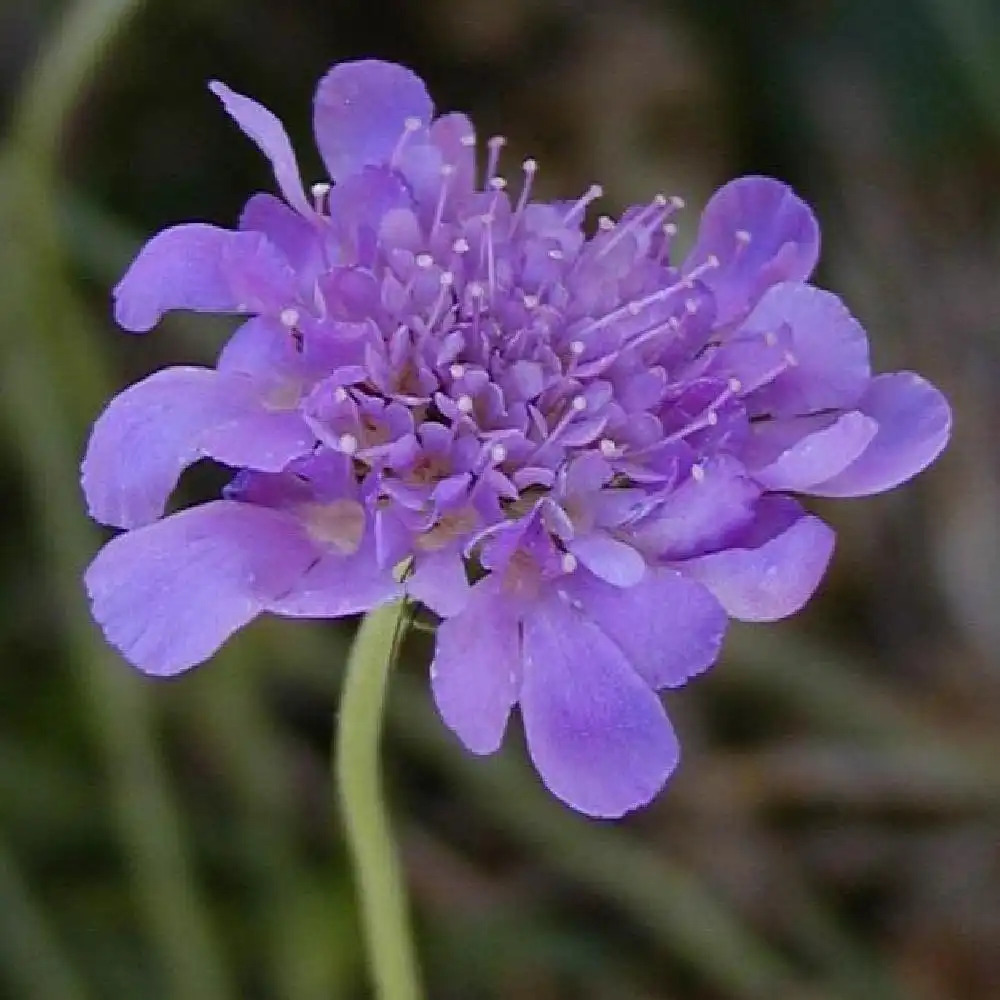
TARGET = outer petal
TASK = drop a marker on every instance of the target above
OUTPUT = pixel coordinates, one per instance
(914, 423)
(476, 670)
(360, 113)
(264, 128)
(783, 246)
(154, 429)
(669, 627)
(773, 569)
(608, 558)
(204, 268)
(829, 351)
(440, 582)
(596, 731)
(801, 457)
(168, 595)
(296, 237)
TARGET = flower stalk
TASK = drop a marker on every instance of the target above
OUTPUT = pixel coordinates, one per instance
(380, 887)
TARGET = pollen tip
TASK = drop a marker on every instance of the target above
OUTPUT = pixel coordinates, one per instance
(698, 473)
(412, 124)
(742, 236)
(530, 165)
(461, 245)
(289, 317)
(579, 404)
(577, 347)
(465, 404)
(569, 562)
(423, 260)
(498, 453)
(457, 371)
(735, 385)
(348, 444)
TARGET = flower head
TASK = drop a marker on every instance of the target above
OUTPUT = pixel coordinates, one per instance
(440, 370)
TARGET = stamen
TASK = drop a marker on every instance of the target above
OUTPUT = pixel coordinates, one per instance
(577, 347)
(579, 404)
(592, 193)
(530, 301)
(410, 126)
(319, 192)
(498, 453)
(340, 395)
(608, 448)
(465, 404)
(447, 173)
(457, 371)
(498, 183)
(530, 168)
(743, 237)
(424, 260)
(698, 473)
(460, 246)
(289, 318)
(735, 386)
(568, 562)
(347, 443)
(495, 145)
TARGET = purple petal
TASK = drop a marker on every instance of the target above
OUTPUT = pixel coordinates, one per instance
(439, 581)
(204, 268)
(294, 236)
(596, 731)
(774, 569)
(360, 114)
(783, 242)
(336, 585)
(168, 595)
(608, 558)
(799, 458)
(476, 670)
(829, 351)
(156, 428)
(669, 627)
(264, 128)
(914, 423)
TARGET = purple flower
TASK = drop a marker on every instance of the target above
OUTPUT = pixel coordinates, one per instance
(581, 448)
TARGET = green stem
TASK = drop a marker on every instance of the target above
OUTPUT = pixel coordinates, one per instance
(382, 895)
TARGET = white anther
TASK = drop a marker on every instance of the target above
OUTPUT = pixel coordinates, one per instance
(595, 191)
(677, 202)
(605, 223)
(347, 443)
(735, 386)
(579, 404)
(465, 404)
(633, 308)
(447, 169)
(488, 218)
(498, 453)
(289, 318)
(447, 279)
(712, 418)
(530, 301)
(712, 261)
(457, 371)
(568, 562)
(468, 140)
(608, 448)
(340, 394)
(691, 306)
(529, 166)
(670, 228)
(461, 245)
(475, 289)
(698, 473)
(742, 236)
(791, 359)
(770, 338)
(577, 347)
(320, 190)
(498, 183)
(412, 124)
(424, 260)
(660, 200)
(556, 254)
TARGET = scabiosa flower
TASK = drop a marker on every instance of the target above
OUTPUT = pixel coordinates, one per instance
(583, 448)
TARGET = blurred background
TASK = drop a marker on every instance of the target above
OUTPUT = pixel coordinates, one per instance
(834, 830)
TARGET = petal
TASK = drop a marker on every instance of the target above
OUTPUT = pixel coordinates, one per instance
(608, 558)
(360, 113)
(829, 351)
(596, 731)
(669, 627)
(156, 428)
(783, 245)
(476, 669)
(914, 423)
(774, 569)
(204, 268)
(264, 128)
(803, 457)
(439, 581)
(168, 595)
(294, 236)
(336, 585)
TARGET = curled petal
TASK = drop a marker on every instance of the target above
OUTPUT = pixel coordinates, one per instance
(361, 113)
(476, 670)
(156, 428)
(803, 454)
(914, 424)
(668, 626)
(264, 128)
(762, 233)
(596, 731)
(608, 558)
(204, 268)
(296, 237)
(439, 581)
(773, 569)
(169, 594)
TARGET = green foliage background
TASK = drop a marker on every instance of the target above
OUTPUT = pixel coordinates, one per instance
(833, 832)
